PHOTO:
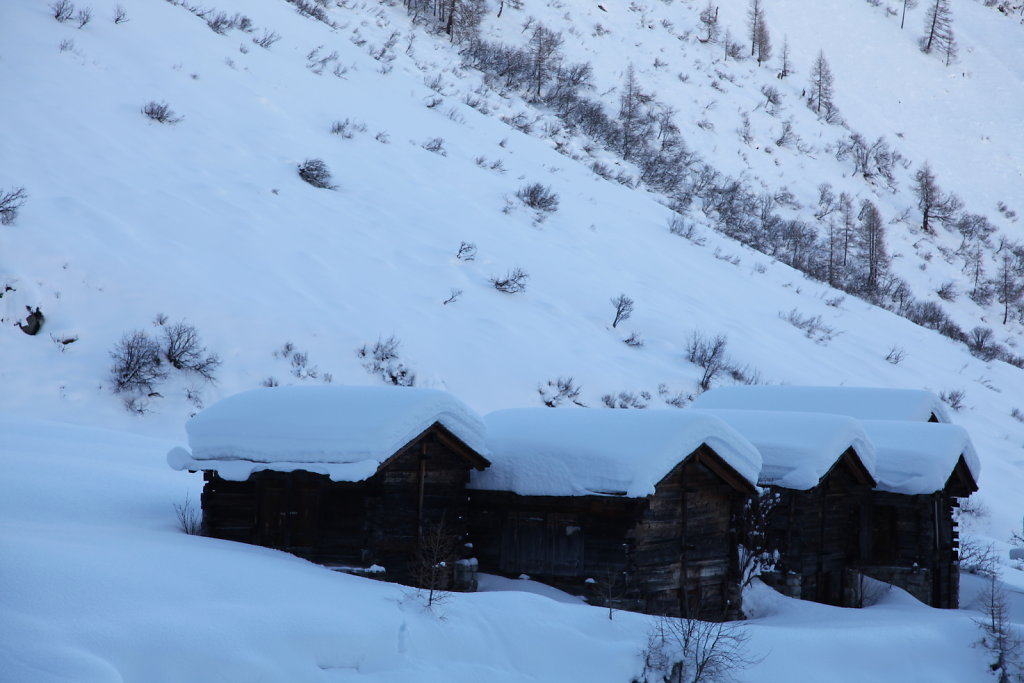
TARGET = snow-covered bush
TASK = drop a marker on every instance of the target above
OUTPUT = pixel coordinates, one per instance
(137, 366)
(539, 197)
(382, 359)
(513, 282)
(316, 173)
(558, 391)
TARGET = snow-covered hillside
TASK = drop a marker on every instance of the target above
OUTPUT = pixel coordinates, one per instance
(207, 221)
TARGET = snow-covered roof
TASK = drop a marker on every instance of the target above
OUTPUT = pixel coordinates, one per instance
(575, 452)
(916, 457)
(345, 432)
(864, 403)
(798, 449)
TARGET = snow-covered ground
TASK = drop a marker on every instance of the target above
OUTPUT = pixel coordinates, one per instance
(207, 221)
(100, 585)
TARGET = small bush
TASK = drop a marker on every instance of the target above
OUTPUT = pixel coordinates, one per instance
(316, 173)
(161, 112)
(709, 355)
(120, 15)
(137, 366)
(981, 343)
(62, 10)
(220, 23)
(626, 399)
(184, 351)
(514, 281)
(83, 17)
(539, 197)
(267, 39)
(10, 202)
(190, 520)
(559, 391)
(896, 355)
(953, 398)
(634, 340)
(435, 145)
(347, 128)
(382, 359)
(812, 326)
(466, 252)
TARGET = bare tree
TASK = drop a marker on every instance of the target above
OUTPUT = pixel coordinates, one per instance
(544, 49)
(933, 203)
(10, 201)
(938, 25)
(1000, 636)
(755, 19)
(691, 651)
(634, 118)
(434, 562)
(1008, 284)
(137, 365)
(785, 62)
(709, 355)
(623, 309)
(872, 245)
(709, 23)
(822, 83)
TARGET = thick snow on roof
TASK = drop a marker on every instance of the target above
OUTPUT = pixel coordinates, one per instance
(798, 449)
(864, 403)
(345, 432)
(575, 452)
(915, 457)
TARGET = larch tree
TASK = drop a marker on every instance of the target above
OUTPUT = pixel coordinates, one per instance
(785, 62)
(872, 245)
(933, 203)
(1008, 285)
(545, 56)
(709, 22)
(755, 20)
(938, 24)
(821, 85)
(634, 115)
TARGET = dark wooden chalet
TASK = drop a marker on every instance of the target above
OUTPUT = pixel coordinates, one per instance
(634, 509)
(923, 469)
(362, 478)
(817, 478)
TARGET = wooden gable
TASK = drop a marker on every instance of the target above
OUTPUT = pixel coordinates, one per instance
(961, 482)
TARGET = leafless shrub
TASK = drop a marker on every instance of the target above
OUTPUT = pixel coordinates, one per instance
(382, 359)
(453, 296)
(316, 173)
(539, 197)
(267, 39)
(270, 382)
(981, 343)
(66, 45)
(120, 15)
(347, 128)
(190, 520)
(466, 252)
(62, 10)
(10, 201)
(83, 16)
(1000, 636)
(812, 326)
(137, 366)
(435, 145)
(623, 309)
(220, 23)
(634, 340)
(1017, 415)
(184, 351)
(695, 651)
(678, 399)
(513, 282)
(435, 562)
(685, 229)
(896, 355)
(709, 355)
(626, 399)
(301, 367)
(161, 112)
(558, 391)
(954, 398)
(948, 291)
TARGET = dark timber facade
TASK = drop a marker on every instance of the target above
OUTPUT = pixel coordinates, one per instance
(418, 492)
(671, 553)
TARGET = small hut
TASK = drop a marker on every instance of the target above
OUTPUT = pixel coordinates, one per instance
(922, 470)
(818, 476)
(863, 403)
(635, 509)
(351, 477)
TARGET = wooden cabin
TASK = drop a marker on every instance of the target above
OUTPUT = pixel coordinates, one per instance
(634, 509)
(369, 479)
(862, 403)
(817, 477)
(923, 469)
